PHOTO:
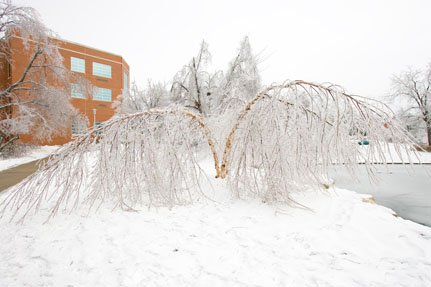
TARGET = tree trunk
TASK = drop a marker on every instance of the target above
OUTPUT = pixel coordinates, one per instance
(429, 133)
(427, 120)
(198, 102)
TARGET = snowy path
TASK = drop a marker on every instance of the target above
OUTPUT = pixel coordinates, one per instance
(342, 242)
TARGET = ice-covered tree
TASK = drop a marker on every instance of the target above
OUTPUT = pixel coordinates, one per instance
(288, 135)
(282, 141)
(211, 93)
(413, 123)
(414, 86)
(242, 80)
(192, 85)
(37, 101)
(154, 95)
(200, 89)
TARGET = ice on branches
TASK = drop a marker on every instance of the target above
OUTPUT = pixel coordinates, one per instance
(288, 136)
(148, 158)
(283, 141)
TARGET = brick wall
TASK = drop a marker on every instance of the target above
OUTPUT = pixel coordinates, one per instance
(103, 109)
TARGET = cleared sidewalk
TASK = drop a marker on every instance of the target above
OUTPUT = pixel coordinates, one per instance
(16, 174)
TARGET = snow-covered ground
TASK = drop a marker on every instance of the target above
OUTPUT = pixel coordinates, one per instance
(34, 154)
(338, 240)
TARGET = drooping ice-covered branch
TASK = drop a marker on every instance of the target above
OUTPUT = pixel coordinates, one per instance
(149, 158)
(283, 141)
(288, 135)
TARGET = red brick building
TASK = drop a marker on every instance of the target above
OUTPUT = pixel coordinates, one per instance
(107, 72)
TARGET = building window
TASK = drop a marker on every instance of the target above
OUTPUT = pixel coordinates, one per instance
(9, 70)
(102, 94)
(77, 92)
(98, 125)
(126, 82)
(77, 65)
(101, 70)
(78, 128)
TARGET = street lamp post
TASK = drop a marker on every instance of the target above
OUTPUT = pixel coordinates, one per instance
(94, 118)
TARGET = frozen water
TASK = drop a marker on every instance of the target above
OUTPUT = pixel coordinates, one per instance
(405, 189)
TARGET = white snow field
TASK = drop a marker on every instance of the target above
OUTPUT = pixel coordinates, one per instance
(338, 240)
(34, 154)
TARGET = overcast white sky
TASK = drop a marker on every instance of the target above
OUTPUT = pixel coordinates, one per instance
(357, 44)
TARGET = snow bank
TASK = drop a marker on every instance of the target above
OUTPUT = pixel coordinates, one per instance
(34, 154)
(338, 240)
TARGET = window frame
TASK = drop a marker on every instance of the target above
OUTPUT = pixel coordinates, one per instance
(77, 64)
(125, 81)
(102, 98)
(81, 127)
(73, 90)
(99, 70)
(97, 125)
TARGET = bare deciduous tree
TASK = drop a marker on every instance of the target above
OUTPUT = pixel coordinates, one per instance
(415, 87)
